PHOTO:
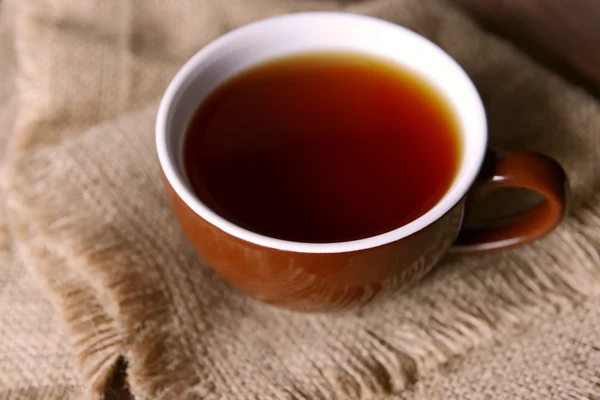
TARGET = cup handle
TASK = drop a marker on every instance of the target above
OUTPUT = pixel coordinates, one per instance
(516, 169)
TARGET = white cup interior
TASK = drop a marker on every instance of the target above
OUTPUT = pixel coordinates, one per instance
(310, 32)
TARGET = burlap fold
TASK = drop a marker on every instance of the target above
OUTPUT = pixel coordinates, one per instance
(89, 220)
(36, 360)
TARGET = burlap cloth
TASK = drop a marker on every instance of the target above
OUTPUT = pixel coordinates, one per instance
(94, 266)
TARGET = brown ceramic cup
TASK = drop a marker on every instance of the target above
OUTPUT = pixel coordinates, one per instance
(328, 276)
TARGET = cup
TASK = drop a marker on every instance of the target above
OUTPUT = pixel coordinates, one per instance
(331, 276)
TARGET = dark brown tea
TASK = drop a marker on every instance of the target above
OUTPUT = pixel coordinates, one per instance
(322, 147)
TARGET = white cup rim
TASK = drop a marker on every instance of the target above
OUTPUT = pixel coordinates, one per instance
(472, 117)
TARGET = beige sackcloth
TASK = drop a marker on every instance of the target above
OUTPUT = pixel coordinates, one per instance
(94, 268)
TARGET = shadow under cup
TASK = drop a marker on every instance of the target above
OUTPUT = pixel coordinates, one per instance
(318, 276)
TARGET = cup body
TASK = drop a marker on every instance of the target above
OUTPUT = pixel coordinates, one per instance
(318, 276)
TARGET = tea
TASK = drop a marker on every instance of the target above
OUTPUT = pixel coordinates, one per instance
(322, 147)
